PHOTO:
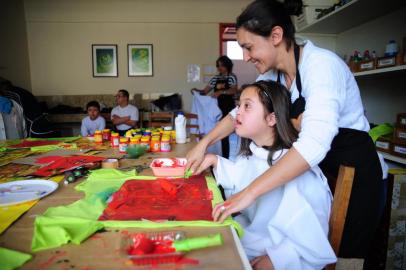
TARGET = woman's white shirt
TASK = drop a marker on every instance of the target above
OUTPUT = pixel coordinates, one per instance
(290, 223)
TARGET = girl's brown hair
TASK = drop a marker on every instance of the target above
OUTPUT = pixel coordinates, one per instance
(275, 98)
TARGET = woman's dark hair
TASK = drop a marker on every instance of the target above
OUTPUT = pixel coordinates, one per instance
(275, 98)
(261, 16)
(93, 103)
(124, 93)
(226, 62)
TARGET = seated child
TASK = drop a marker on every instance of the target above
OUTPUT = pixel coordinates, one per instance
(93, 121)
(287, 227)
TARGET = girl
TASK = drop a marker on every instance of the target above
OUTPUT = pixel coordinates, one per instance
(287, 227)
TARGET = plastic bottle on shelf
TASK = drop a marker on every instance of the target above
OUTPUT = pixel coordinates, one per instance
(180, 127)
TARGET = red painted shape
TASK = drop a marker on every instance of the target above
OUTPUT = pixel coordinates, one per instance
(27, 143)
(62, 164)
(146, 199)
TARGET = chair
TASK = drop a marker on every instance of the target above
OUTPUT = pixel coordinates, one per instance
(338, 215)
(160, 119)
(192, 123)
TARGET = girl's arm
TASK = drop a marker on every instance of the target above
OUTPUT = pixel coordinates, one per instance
(195, 156)
(287, 168)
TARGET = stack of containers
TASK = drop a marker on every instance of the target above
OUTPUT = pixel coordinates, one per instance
(399, 136)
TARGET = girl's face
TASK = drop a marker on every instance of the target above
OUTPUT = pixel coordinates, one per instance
(251, 121)
(93, 112)
(257, 49)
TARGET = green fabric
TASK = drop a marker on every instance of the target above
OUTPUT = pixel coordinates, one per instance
(2, 149)
(188, 244)
(77, 221)
(63, 139)
(47, 148)
(11, 259)
(380, 130)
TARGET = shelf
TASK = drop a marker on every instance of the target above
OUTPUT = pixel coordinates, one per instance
(351, 15)
(393, 158)
(380, 70)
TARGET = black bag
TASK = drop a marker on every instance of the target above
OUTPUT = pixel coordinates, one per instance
(169, 103)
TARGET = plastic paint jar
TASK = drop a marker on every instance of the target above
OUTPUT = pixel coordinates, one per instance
(134, 141)
(173, 136)
(98, 137)
(115, 141)
(122, 148)
(106, 134)
(145, 142)
(165, 144)
(155, 144)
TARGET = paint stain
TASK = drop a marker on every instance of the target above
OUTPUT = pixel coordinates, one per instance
(51, 260)
(98, 237)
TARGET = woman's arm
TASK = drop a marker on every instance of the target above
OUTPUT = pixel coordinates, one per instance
(195, 156)
(287, 168)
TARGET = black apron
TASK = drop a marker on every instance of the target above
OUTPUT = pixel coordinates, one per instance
(353, 148)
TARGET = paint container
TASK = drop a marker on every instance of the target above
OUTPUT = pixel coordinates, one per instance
(145, 142)
(106, 134)
(110, 163)
(155, 144)
(165, 143)
(98, 136)
(122, 147)
(115, 140)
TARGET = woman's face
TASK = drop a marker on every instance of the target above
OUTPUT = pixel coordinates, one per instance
(251, 121)
(257, 50)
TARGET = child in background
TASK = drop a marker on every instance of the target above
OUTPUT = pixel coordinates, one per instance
(93, 121)
(286, 228)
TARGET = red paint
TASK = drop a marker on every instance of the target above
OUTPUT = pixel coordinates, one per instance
(62, 164)
(181, 200)
(28, 144)
(188, 261)
(50, 261)
(98, 237)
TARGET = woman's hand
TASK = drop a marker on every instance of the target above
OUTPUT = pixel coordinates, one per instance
(216, 94)
(234, 204)
(262, 263)
(195, 157)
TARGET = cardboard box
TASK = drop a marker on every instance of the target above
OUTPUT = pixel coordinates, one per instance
(384, 62)
(399, 150)
(399, 135)
(401, 120)
(384, 144)
(366, 65)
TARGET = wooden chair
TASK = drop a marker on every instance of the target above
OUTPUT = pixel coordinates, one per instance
(189, 117)
(341, 201)
(160, 119)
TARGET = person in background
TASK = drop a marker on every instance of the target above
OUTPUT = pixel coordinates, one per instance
(93, 121)
(272, 238)
(223, 86)
(124, 116)
(326, 109)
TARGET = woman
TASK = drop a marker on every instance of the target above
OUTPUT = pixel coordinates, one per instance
(223, 87)
(326, 109)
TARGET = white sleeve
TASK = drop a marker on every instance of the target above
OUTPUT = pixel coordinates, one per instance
(102, 123)
(324, 91)
(83, 128)
(225, 172)
(113, 112)
(134, 114)
(233, 112)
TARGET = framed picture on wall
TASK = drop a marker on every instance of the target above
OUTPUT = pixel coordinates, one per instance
(140, 60)
(104, 60)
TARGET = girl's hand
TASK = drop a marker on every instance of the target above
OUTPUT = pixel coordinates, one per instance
(209, 160)
(234, 204)
(262, 263)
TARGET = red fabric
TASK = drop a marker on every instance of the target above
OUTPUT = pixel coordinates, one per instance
(62, 164)
(176, 199)
(26, 143)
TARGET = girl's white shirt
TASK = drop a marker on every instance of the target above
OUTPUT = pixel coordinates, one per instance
(290, 223)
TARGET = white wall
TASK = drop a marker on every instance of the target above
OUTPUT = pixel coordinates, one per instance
(14, 65)
(383, 95)
(60, 35)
